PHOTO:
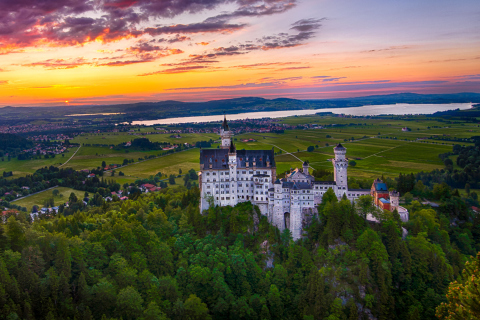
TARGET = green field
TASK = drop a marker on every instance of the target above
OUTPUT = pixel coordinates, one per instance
(378, 146)
(24, 167)
(39, 198)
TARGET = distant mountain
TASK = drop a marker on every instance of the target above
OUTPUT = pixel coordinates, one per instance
(171, 108)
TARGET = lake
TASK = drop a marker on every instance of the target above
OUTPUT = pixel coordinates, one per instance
(373, 110)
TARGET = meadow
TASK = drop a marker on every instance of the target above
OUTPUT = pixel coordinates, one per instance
(379, 147)
(38, 199)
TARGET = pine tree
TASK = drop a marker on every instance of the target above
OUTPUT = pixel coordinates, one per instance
(464, 296)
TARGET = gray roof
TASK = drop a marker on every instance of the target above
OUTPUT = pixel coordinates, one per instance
(324, 182)
(296, 185)
(339, 147)
(219, 158)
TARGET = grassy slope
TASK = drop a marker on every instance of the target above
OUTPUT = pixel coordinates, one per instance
(39, 198)
(378, 156)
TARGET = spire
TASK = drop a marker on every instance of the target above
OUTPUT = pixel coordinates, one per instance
(232, 148)
(225, 124)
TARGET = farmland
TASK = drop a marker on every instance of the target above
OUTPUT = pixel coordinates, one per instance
(379, 147)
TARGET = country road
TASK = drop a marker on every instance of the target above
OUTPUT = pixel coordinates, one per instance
(73, 155)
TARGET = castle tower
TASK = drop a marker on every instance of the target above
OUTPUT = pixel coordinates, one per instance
(340, 165)
(225, 134)
(394, 200)
(305, 168)
(278, 219)
(232, 165)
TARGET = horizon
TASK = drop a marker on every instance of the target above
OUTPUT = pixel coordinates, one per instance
(64, 53)
(246, 97)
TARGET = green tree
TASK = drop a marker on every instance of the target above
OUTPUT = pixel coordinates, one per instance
(129, 303)
(72, 198)
(195, 309)
(16, 233)
(153, 312)
(463, 296)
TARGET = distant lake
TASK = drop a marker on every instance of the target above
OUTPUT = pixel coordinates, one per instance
(375, 110)
(93, 114)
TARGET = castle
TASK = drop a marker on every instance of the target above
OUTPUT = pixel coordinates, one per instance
(229, 176)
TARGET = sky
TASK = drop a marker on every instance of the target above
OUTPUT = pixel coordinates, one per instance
(74, 52)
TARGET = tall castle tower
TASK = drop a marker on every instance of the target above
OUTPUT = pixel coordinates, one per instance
(340, 165)
(232, 165)
(394, 200)
(225, 134)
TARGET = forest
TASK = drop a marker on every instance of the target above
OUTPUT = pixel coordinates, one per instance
(157, 257)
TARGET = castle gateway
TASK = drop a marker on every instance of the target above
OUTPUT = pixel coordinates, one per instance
(229, 176)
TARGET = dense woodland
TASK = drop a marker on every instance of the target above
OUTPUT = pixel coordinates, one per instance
(12, 144)
(52, 176)
(157, 257)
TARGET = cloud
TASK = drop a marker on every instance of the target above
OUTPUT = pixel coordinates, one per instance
(268, 82)
(293, 68)
(329, 79)
(200, 27)
(265, 65)
(76, 22)
(176, 38)
(2, 82)
(140, 53)
(52, 64)
(387, 49)
(254, 8)
(203, 43)
(236, 86)
(174, 70)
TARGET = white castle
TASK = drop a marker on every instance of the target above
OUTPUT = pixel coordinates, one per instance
(229, 176)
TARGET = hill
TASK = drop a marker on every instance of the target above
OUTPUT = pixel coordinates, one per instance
(171, 108)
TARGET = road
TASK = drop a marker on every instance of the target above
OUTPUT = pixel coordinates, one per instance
(73, 155)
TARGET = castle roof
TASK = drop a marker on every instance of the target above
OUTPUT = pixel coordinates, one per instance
(225, 124)
(232, 148)
(296, 185)
(383, 200)
(381, 186)
(325, 182)
(218, 158)
(339, 147)
(278, 181)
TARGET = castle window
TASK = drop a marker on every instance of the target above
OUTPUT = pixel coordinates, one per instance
(228, 198)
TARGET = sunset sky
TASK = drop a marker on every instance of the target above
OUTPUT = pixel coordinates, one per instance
(58, 52)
